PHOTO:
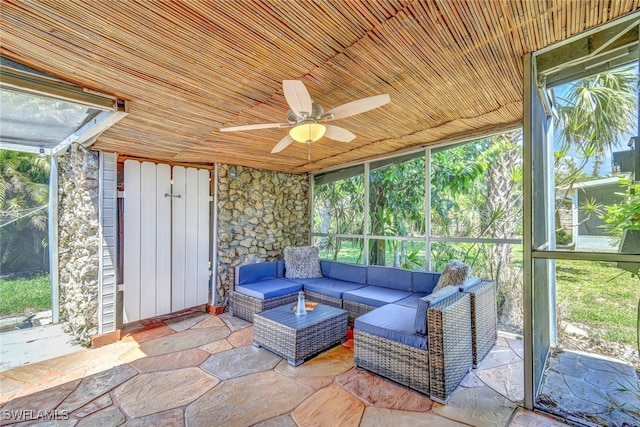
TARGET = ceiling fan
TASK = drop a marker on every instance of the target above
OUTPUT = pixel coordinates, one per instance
(303, 117)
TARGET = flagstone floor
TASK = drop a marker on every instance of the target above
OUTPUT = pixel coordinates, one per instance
(201, 370)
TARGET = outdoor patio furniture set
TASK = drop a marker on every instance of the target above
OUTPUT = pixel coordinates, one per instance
(402, 330)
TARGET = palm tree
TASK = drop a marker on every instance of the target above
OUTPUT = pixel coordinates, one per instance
(24, 197)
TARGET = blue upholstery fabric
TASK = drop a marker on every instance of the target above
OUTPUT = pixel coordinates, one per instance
(327, 286)
(425, 302)
(325, 267)
(471, 281)
(424, 281)
(389, 277)
(267, 289)
(412, 300)
(393, 322)
(375, 296)
(280, 269)
(348, 272)
(250, 273)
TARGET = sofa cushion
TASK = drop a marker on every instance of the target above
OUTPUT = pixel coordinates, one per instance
(325, 267)
(375, 296)
(279, 268)
(425, 302)
(355, 273)
(455, 273)
(268, 289)
(389, 277)
(424, 281)
(411, 300)
(393, 322)
(250, 273)
(327, 286)
(302, 262)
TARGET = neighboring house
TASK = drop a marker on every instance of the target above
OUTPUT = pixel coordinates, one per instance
(586, 229)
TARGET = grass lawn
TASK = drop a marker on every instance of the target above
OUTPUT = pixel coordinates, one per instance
(596, 294)
(20, 294)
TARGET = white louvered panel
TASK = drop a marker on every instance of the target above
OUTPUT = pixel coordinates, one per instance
(178, 244)
(191, 239)
(132, 221)
(163, 239)
(109, 243)
(203, 237)
(147, 240)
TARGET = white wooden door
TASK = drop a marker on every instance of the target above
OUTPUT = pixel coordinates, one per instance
(166, 239)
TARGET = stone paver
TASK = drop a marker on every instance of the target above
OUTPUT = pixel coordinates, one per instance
(281, 421)
(346, 409)
(508, 380)
(190, 338)
(44, 400)
(98, 404)
(150, 393)
(217, 346)
(497, 357)
(183, 323)
(377, 391)
(234, 323)
(334, 361)
(96, 385)
(239, 362)
(478, 406)
(267, 394)
(241, 337)
(149, 334)
(170, 418)
(111, 416)
(524, 418)
(180, 359)
(375, 417)
(209, 321)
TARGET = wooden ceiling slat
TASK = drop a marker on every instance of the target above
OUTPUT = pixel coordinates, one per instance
(187, 68)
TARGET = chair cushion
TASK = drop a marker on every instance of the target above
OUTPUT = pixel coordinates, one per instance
(327, 286)
(425, 302)
(250, 273)
(411, 300)
(375, 296)
(389, 277)
(393, 322)
(302, 262)
(424, 281)
(455, 273)
(355, 273)
(268, 289)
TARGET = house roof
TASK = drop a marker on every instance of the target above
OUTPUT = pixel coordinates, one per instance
(453, 69)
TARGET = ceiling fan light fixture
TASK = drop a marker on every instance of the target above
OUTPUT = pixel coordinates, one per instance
(307, 132)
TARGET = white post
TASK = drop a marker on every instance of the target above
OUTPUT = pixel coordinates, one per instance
(53, 241)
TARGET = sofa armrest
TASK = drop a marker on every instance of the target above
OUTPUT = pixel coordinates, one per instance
(450, 344)
(484, 317)
(251, 273)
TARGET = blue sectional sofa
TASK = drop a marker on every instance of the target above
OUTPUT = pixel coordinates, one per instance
(402, 329)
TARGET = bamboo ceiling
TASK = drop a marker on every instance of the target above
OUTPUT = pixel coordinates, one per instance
(189, 67)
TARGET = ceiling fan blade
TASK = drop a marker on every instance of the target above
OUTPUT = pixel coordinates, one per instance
(356, 107)
(284, 143)
(339, 134)
(297, 97)
(256, 126)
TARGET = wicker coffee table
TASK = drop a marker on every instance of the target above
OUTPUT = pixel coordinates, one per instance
(297, 338)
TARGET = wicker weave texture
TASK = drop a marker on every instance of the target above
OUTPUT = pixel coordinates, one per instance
(323, 299)
(244, 306)
(450, 344)
(356, 309)
(484, 319)
(297, 344)
(401, 363)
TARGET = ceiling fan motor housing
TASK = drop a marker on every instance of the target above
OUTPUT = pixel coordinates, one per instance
(316, 112)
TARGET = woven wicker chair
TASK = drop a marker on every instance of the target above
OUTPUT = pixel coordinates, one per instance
(484, 318)
(436, 370)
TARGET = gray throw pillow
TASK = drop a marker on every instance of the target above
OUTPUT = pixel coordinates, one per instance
(455, 273)
(302, 262)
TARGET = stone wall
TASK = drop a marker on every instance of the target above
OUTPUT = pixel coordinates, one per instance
(259, 213)
(78, 242)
